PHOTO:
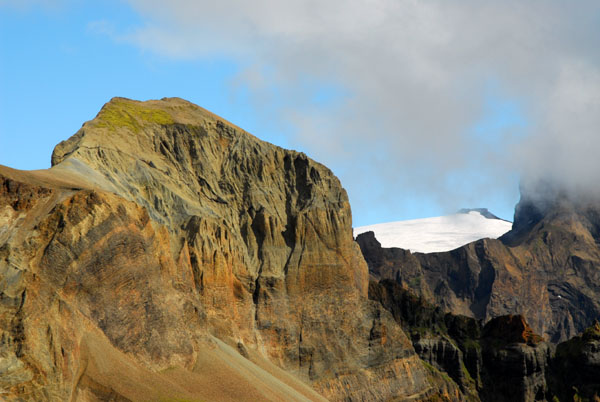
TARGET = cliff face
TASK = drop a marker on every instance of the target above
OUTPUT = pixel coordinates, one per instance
(503, 360)
(167, 248)
(546, 268)
(577, 365)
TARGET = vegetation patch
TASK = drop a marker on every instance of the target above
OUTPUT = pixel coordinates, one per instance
(434, 371)
(130, 115)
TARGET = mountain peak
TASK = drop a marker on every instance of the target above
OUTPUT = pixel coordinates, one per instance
(166, 154)
(482, 211)
(127, 124)
(187, 232)
(544, 203)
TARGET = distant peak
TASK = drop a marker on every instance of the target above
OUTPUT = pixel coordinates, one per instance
(483, 211)
(442, 233)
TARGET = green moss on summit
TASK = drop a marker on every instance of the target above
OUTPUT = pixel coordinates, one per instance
(131, 115)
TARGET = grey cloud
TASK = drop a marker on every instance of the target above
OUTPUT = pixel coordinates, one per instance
(416, 75)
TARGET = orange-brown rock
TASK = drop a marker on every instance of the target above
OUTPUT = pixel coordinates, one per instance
(170, 254)
(511, 329)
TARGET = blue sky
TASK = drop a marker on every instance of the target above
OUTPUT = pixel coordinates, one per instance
(56, 72)
(417, 112)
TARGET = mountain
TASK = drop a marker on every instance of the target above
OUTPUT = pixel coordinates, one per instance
(170, 255)
(547, 268)
(443, 233)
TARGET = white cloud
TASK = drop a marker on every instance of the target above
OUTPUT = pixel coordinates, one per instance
(416, 73)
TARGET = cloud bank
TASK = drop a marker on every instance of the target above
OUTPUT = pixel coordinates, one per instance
(407, 118)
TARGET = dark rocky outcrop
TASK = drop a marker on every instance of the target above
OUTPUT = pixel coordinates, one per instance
(510, 329)
(483, 211)
(503, 360)
(577, 367)
(515, 360)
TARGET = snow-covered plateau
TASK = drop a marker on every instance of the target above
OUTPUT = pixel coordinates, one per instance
(442, 233)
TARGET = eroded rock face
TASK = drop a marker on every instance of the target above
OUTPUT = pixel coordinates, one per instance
(501, 361)
(445, 356)
(79, 266)
(577, 366)
(516, 361)
(545, 269)
(516, 372)
(163, 235)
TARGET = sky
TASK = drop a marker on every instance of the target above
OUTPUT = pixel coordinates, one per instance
(419, 107)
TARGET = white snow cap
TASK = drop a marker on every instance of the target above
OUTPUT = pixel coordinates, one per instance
(442, 233)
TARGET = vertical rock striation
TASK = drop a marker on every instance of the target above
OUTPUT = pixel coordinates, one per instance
(503, 360)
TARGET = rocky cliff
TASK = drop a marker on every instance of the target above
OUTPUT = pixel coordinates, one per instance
(546, 268)
(577, 366)
(169, 254)
(503, 360)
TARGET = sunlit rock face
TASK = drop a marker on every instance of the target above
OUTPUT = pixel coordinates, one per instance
(170, 254)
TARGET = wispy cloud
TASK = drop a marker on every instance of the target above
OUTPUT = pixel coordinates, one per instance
(414, 78)
(103, 27)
